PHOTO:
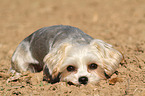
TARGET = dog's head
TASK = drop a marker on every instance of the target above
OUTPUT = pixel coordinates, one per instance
(82, 64)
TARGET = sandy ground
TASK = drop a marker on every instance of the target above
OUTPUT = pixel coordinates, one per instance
(118, 22)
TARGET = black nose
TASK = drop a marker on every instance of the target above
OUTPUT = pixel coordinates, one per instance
(83, 80)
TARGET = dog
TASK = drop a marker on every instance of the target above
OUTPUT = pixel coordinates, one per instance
(65, 53)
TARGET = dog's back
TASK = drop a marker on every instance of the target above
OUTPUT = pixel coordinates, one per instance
(48, 38)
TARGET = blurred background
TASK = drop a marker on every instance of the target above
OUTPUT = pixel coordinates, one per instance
(95, 17)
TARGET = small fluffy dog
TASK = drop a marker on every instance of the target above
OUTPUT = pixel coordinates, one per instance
(65, 53)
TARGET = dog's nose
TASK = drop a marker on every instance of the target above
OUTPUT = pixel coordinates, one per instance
(83, 80)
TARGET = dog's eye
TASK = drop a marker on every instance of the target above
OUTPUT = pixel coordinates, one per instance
(93, 66)
(70, 68)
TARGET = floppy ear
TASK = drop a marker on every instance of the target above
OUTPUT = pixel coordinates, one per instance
(109, 57)
(53, 61)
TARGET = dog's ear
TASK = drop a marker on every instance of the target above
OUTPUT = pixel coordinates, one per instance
(108, 56)
(53, 60)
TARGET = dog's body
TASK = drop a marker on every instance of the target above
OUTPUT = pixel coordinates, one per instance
(65, 53)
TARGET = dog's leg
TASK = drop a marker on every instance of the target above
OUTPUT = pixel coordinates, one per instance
(22, 59)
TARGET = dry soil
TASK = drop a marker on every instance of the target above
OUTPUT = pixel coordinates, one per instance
(118, 22)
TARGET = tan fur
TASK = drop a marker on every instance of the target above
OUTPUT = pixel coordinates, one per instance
(99, 71)
(112, 57)
(55, 58)
(65, 73)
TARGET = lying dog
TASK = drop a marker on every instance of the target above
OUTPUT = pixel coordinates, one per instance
(65, 53)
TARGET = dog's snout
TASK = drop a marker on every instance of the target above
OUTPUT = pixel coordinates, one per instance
(83, 80)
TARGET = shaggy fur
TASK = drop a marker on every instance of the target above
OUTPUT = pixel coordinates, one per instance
(54, 49)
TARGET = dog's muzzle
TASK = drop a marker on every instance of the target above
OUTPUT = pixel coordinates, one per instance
(83, 80)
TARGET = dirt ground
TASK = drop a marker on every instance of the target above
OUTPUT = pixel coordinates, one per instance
(118, 22)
